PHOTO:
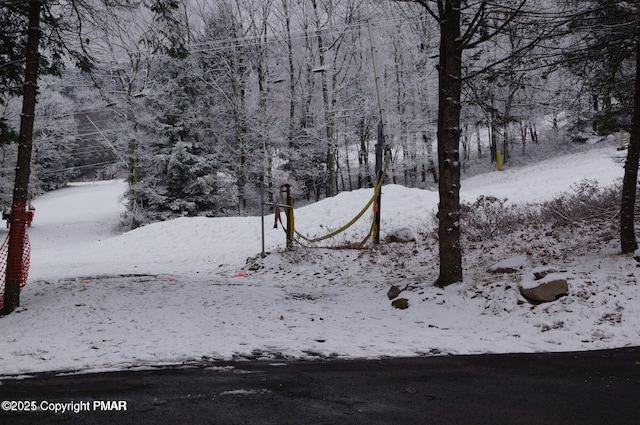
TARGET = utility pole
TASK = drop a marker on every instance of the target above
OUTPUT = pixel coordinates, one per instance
(382, 131)
(18, 221)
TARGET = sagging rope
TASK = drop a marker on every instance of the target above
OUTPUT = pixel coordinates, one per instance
(376, 193)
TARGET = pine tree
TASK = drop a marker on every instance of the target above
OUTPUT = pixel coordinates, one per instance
(609, 54)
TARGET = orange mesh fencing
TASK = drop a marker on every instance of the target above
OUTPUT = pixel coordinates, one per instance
(26, 261)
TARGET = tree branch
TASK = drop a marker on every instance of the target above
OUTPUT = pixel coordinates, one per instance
(425, 4)
(498, 30)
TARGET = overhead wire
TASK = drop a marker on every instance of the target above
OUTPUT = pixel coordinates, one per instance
(229, 43)
(78, 167)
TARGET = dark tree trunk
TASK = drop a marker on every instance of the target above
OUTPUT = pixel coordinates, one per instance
(628, 241)
(17, 234)
(449, 79)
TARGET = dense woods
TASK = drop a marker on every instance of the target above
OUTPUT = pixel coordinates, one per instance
(200, 105)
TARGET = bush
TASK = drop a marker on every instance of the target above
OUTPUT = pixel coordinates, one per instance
(489, 217)
(586, 202)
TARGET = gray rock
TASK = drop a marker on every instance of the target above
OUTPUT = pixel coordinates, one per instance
(400, 303)
(510, 265)
(542, 271)
(549, 288)
(393, 292)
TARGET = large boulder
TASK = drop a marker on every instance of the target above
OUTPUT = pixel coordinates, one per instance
(549, 288)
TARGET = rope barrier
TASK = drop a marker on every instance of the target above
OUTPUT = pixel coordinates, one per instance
(376, 192)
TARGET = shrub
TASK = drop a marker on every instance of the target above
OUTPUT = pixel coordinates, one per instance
(489, 217)
(586, 202)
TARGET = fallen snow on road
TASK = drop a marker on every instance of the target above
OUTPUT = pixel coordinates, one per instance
(182, 291)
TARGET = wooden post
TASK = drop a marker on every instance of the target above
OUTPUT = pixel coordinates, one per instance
(376, 209)
(376, 204)
(288, 200)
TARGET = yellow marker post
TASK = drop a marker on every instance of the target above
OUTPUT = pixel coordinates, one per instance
(287, 200)
(499, 160)
(625, 139)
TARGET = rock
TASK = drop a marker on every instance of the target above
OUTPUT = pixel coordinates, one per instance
(549, 288)
(401, 234)
(510, 265)
(393, 292)
(542, 271)
(400, 303)
(255, 263)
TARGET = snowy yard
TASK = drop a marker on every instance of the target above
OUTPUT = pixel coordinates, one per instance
(182, 291)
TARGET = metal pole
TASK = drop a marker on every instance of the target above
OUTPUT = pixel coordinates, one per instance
(262, 253)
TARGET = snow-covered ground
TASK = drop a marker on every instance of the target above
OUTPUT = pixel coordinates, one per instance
(182, 291)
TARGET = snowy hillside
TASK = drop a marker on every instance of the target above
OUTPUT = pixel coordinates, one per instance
(182, 291)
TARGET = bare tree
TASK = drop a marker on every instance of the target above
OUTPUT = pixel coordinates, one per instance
(259, 29)
(454, 39)
(285, 15)
(628, 241)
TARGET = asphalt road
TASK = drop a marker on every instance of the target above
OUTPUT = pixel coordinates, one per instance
(600, 388)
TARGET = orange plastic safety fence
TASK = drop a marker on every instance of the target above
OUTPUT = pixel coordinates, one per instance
(26, 262)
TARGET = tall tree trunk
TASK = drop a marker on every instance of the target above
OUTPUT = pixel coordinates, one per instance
(364, 177)
(17, 234)
(331, 189)
(133, 177)
(240, 135)
(237, 77)
(264, 89)
(292, 89)
(449, 80)
(628, 242)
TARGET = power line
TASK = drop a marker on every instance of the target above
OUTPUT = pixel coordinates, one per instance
(230, 43)
(78, 167)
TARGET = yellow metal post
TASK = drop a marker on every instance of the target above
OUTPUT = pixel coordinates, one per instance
(625, 138)
(499, 160)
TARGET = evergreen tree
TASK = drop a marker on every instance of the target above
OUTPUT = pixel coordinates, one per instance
(602, 56)
(182, 164)
(607, 54)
